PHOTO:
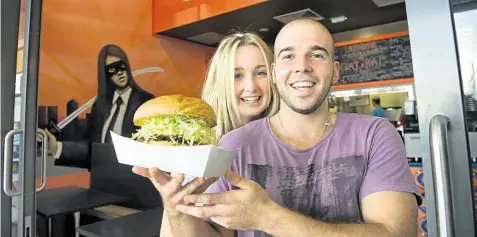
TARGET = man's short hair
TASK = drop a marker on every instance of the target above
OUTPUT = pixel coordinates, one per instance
(313, 22)
(377, 100)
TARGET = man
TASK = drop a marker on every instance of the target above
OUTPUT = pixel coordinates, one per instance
(304, 171)
(378, 110)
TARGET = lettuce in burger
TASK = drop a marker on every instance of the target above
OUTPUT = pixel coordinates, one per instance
(175, 120)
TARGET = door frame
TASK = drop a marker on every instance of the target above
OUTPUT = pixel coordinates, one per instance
(438, 88)
(26, 208)
(29, 115)
(10, 12)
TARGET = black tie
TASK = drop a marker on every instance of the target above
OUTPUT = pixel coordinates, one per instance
(115, 115)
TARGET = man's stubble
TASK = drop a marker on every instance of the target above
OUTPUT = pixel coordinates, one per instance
(320, 98)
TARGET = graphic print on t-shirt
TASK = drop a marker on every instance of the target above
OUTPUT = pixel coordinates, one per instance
(326, 191)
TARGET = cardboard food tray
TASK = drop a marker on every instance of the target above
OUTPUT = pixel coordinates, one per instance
(197, 161)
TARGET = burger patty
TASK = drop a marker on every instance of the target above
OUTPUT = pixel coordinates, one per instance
(177, 139)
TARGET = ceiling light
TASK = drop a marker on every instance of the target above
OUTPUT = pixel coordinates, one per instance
(302, 14)
(207, 38)
(338, 19)
(264, 30)
(384, 3)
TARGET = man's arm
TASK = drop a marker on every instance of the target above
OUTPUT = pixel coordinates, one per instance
(173, 188)
(69, 153)
(384, 213)
(172, 227)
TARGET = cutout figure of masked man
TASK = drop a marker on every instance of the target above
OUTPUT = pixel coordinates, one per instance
(117, 100)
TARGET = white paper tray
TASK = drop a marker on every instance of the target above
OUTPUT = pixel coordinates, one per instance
(198, 161)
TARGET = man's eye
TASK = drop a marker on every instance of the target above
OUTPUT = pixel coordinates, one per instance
(123, 66)
(320, 56)
(112, 70)
(287, 56)
(261, 73)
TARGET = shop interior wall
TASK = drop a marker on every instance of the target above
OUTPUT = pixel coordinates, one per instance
(74, 31)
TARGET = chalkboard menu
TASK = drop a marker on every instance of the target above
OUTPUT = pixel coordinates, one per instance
(378, 60)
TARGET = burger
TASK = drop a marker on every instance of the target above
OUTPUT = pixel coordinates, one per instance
(175, 120)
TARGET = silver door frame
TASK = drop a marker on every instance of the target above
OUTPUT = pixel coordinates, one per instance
(31, 50)
(9, 12)
(439, 92)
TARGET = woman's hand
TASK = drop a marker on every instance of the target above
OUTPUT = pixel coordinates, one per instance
(171, 188)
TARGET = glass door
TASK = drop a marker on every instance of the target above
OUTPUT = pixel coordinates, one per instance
(18, 119)
(443, 37)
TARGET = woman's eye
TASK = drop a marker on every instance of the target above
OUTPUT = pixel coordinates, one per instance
(237, 76)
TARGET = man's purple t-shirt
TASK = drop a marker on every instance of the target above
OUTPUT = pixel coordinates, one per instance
(361, 155)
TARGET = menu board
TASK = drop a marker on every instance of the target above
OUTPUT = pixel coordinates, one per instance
(379, 60)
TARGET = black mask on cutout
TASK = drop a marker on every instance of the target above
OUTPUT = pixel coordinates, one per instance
(116, 68)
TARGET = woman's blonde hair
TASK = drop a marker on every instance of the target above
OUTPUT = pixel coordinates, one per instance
(219, 86)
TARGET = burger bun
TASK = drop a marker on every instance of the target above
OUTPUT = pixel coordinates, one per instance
(173, 105)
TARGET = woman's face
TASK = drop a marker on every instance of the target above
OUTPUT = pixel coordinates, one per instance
(251, 82)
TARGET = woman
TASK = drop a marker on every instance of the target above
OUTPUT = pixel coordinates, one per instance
(240, 67)
(239, 88)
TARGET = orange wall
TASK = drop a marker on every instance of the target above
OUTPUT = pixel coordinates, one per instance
(168, 14)
(74, 31)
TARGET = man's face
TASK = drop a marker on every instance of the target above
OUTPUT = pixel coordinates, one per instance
(116, 69)
(304, 68)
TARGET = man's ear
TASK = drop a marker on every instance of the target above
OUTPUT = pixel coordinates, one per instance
(336, 71)
(272, 68)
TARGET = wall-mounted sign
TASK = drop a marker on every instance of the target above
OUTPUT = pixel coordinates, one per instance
(386, 57)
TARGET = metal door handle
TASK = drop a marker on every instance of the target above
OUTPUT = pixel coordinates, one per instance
(44, 155)
(7, 161)
(440, 174)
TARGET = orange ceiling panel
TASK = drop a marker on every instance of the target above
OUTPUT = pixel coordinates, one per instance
(168, 14)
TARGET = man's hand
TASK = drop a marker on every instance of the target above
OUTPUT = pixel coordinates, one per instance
(241, 209)
(171, 189)
(52, 143)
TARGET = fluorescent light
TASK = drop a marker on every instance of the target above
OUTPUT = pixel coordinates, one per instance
(338, 19)
(383, 3)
